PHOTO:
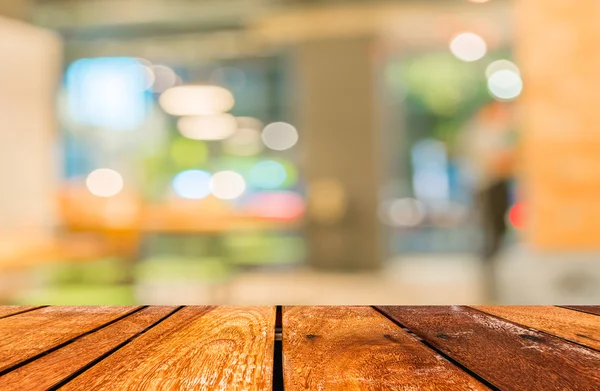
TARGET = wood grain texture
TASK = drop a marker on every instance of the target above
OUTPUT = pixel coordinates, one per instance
(572, 325)
(31, 333)
(197, 348)
(53, 368)
(590, 309)
(14, 309)
(356, 348)
(508, 356)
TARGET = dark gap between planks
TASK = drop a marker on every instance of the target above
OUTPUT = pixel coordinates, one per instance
(586, 309)
(24, 311)
(441, 353)
(278, 352)
(533, 329)
(111, 351)
(61, 345)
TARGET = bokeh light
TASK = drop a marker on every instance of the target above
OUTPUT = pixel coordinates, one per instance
(468, 47)
(227, 185)
(516, 216)
(402, 212)
(207, 127)
(244, 142)
(501, 65)
(430, 164)
(283, 205)
(291, 171)
(147, 75)
(187, 153)
(249, 123)
(104, 182)
(505, 84)
(196, 100)
(279, 136)
(107, 93)
(268, 174)
(164, 78)
(192, 184)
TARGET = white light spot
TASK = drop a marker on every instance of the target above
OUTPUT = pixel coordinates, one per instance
(501, 65)
(207, 127)
(279, 136)
(505, 84)
(164, 78)
(403, 212)
(104, 182)
(468, 47)
(196, 100)
(227, 185)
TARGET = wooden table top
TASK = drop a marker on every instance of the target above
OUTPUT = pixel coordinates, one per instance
(300, 348)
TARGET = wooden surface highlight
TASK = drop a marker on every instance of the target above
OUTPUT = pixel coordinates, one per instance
(29, 334)
(590, 309)
(356, 348)
(203, 348)
(14, 310)
(323, 348)
(53, 368)
(510, 357)
(575, 326)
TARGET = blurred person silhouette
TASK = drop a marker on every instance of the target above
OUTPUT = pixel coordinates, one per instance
(489, 148)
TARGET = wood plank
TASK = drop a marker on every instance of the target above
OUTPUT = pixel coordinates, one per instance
(10, 310)
(203, 348)
(32, 333)
(590, 309)
(508, 356)
(53, 368)
(575, 326)
(356, 348)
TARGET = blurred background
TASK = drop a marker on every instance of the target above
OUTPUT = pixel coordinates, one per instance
(299, 152)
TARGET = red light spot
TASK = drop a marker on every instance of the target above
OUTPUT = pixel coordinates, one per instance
(516, 215)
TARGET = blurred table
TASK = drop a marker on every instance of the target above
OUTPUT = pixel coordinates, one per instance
(22, 251)
(24, 256)
(303, 348)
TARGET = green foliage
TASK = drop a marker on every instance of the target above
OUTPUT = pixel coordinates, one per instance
(103, 271)
(261, 249)
(439, 93)
(184, 269)
(79, 294)
(187, 154)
